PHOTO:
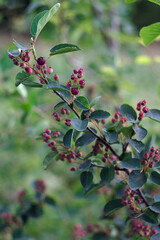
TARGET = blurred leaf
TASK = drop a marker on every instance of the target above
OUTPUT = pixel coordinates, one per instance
(67, 139)
(82, 103)
(93, 189)
(140, 131)
(107, 174)
(14, 52)
(50, 201)
(157, 198)
(131, 163)
(20, 46)
(112, 206)
(49, 158)
(58, 105)
(32, 84)
(112, 135)
(143, 60)
(155, 177)
(130, 1)
(150, 33)
(84, 140)
(85, 165)
(42, 19)
(137, 179)
(86, 179)
(56, 86)
(79, 125)
(139, 146)
(155, 1)
(154, 114)
(128, 112)
(150, 216)
(156, 236)
(100, 236)
(155, 207)
(63, 48)
(99, 115)
(21, 77)
(95, 100)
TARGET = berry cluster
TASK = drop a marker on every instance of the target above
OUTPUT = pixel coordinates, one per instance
(78, 232)
(141, 107)
(141, 229)
(39, 69)
(49, 137)
(64, 112)
(130, 200)
(117, 117)
(150, 158)
(40, 186)
(10, 219)
(75, 82)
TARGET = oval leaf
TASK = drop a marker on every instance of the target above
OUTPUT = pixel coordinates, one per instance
(155, 177)
(14, 52)
(95, 100)
(140, 131)
(84, 140)
(32, 84)
(21, 77)
(131, 163)
(93, 189)
(85, 165)
(156, 236)
(49, 158)
(42, 19)
(58, 105)
(50, 201)
(139, 146)
(63, 48)
(67, 139)
(112, 136)
(137, 179)
(82, 103)
(128, 112)
(150, 33)
(86, 179)
(107, 174)
(79, 125)
(150, 216)
(56, 86)
(112, 206)
(154, 114)
(155, 207)
(99, 115)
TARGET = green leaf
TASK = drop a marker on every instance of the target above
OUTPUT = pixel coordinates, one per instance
(157, 198)
(21, 77)
(130, 1)
(58, 105)
(154, 114)
(155, 177)
(21, 46)
(85, 165)
(137, 179)
(107, 174)
(156, 236)
(131, 163)
(82, 103)
(128, 112)
(63, 48)
(155, 207)
(99, 114)
(41, 19)
(127, 131)
(14, 52)
(150, 217)
(56, 86)
(100, 236)
(49, 158)
(50, 201)
(112, 136)
(79, 125)
(95, 100)
(112, 206)
(86, 179)
(67, 139)
(150, 33)
(155, 1)
(93, 189)
(139, 146)
(32, 84)
(140, 131)
(84, 140)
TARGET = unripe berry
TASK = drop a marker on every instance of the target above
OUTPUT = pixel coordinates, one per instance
(145, 109)
(48, 131)
(74, 90)
(28, 70)
(143, 102)
(41, 80)
(41, 61)
(103, 159)
(75, 71)
(15, 61)
(72, 76)
(69, 84)
(56, 77)
(49, 70)
(63, 111)
(10, 56)
(22, 65)
(73, 169)
(151, 164)
(68, 122)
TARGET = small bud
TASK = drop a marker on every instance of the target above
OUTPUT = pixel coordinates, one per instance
(50, 70)
(28, 70)
(56, 77)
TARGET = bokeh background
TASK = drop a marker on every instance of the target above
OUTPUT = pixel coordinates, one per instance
(116, 66)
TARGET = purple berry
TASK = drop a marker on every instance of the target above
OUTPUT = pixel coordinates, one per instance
(74, 90)
(28, 70)
(41, 61)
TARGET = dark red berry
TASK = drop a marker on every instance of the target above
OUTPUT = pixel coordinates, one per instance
(41, 61)
(74, 90)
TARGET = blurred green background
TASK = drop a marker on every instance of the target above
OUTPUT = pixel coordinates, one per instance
(116, 66)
